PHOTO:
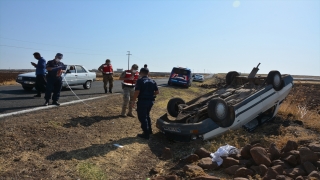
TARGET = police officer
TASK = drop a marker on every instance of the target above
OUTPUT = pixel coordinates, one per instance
(145, 90)
(54, 79)
(107, 72)
(40, 73)
(129, 78)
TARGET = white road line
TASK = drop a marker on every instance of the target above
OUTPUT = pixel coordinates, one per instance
(52, 106)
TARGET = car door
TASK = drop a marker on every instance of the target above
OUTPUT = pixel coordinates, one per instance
(71, 75)
(82, 74)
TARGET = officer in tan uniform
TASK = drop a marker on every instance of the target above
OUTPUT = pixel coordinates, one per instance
(129, 78)
(107, 72)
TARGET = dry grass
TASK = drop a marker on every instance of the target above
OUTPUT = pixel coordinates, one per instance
(90, 171)
(7, 83)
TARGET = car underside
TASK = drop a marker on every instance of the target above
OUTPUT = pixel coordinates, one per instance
(244, 101)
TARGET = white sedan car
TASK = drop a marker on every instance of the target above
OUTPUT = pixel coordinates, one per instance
(198, 77)
(75, 75)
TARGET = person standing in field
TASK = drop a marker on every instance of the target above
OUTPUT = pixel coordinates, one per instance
(55, 69)
(107, 72)
(129, 78)
(146, 90)
(41, 81)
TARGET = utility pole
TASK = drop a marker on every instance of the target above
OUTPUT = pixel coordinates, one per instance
(128, 58)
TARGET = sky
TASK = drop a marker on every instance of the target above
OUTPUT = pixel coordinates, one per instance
(212, 36)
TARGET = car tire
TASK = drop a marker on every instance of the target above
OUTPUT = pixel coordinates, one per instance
(274, 78)
(173, 106)
(230, 76)
(220, 112)
(87, 85)
(27, 88)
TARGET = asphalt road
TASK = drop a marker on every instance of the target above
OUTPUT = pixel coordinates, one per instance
(14, 98)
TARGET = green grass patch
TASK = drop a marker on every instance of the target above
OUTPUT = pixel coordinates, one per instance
(90, 171)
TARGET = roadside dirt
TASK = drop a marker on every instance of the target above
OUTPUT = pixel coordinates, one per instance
(70, 142)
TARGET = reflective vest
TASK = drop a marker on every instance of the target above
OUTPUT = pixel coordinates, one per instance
(107, 69)
(129, 75)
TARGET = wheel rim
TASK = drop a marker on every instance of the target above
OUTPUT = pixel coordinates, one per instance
(276, 80)
(88, 84)
(220, 111)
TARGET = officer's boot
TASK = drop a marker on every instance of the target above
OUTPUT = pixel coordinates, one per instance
(130, 111)
(123, 112)
(105, 91)
(110, 90)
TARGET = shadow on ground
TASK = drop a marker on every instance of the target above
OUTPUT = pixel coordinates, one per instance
(88, 121)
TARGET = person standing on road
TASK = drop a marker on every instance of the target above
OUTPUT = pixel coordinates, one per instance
(107, 72)
(40, 74)
(146, 90)
(55, 69)
(129, 78)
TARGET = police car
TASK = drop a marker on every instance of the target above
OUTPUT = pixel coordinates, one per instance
(180, 76)
(245, 101)
(75, 75)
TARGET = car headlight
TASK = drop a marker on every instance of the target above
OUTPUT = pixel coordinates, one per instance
(19, 78)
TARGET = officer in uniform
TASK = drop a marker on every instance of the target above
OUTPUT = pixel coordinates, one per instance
(55, 69)
(129, 78)
(40, 73)
(146, 90)
(107, 72)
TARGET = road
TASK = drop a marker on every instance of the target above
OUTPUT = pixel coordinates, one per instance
(14, 98)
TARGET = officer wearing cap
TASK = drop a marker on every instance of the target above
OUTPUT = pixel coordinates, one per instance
(54, 79)
(107, 72)
(129, 78)
(145, 90)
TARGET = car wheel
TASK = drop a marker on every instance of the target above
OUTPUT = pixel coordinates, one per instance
(27, 88)
(230, 76)
(173, 106)
(169, 83)
(220, 112)
(274, 78)
(87, 85)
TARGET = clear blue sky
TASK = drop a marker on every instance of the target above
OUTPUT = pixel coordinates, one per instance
(212, 36)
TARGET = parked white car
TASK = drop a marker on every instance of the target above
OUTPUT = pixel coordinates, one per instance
(75, 75)
(198, 77)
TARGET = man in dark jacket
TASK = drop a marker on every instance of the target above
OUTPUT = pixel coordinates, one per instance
(145, 90)
(40, 74)
(55, 69)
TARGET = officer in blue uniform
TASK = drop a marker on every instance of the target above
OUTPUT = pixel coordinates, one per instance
(145, 90)
(54, 79)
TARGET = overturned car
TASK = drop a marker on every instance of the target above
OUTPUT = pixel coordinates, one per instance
(245, 101)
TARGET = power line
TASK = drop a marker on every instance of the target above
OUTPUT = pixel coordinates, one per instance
(47, 50)
(40, 43)
(48, 44)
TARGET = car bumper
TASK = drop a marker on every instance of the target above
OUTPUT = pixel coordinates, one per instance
(178, 82)
(184, 132)
(200, 80)
(26, 83)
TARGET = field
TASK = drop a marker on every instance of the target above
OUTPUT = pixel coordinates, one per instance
(8, 77)
(78, 142)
